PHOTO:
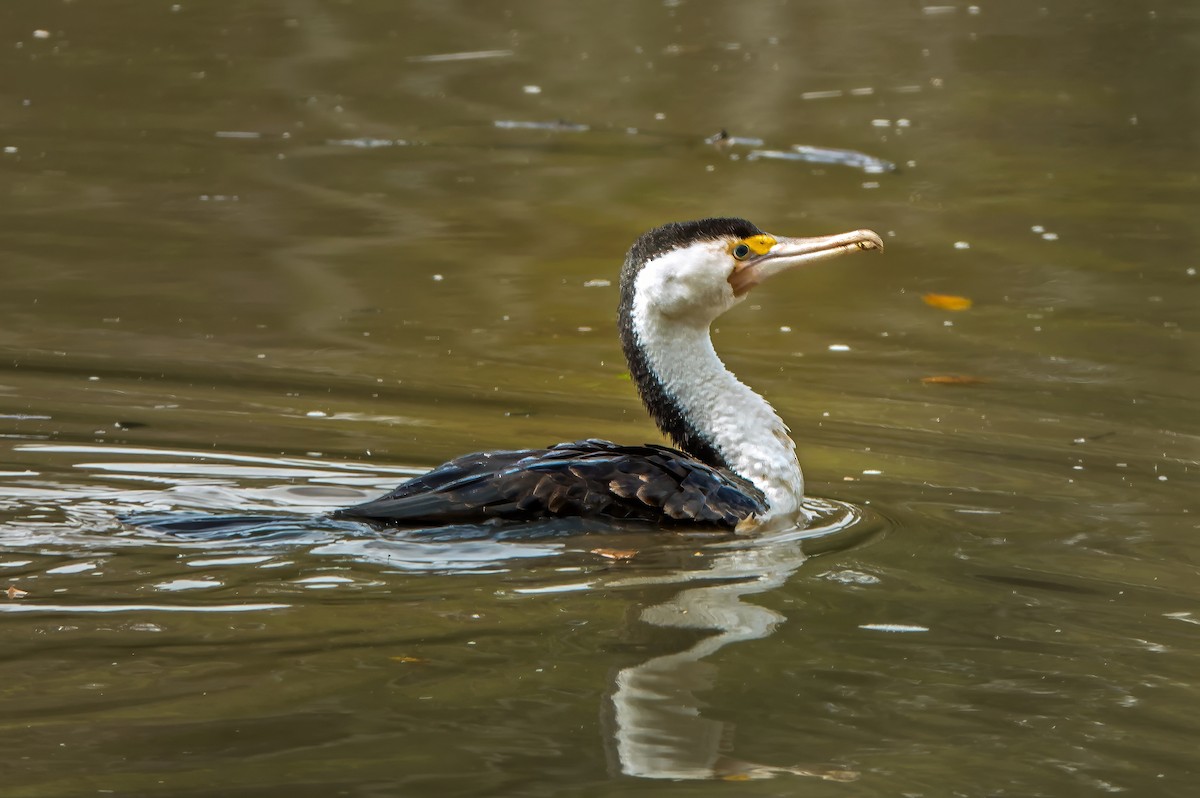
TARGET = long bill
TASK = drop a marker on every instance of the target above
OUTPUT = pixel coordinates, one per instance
(787, 253)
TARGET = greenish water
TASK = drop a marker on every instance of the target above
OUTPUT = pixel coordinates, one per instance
(275, 257)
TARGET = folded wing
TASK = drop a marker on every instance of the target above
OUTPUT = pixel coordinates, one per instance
(591, 478)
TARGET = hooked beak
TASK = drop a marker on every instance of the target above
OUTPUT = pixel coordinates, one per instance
(788, 253)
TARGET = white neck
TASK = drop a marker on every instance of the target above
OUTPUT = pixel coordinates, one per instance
(742, 426)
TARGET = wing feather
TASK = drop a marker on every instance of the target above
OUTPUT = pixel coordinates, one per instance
(591, 478)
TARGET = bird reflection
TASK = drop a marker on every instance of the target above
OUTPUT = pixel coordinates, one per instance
(659, 731)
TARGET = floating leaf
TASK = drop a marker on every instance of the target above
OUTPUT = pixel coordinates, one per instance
(616, 554)
(952, 379)
(407, 659)
(947, 301)
(16, 592)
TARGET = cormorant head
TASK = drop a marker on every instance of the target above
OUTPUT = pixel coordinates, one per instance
(692, 272)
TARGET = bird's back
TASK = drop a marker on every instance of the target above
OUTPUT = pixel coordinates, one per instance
(584, 479)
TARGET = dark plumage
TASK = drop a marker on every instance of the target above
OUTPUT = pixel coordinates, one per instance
(591, 478)
(675, 235)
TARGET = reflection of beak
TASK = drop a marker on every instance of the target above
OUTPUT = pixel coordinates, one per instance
(790, 252)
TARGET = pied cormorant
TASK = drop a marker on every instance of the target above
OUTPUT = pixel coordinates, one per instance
(735, 467)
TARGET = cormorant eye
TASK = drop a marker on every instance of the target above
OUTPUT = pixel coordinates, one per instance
(741, 251)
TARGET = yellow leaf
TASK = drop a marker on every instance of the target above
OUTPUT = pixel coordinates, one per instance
(952, 379)
(16, 592)
(616, 554)
(947, 301)
(408, 659)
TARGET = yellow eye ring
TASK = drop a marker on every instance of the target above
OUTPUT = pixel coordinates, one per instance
(741, 251)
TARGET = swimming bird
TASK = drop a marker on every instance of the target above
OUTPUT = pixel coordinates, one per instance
(734, 467)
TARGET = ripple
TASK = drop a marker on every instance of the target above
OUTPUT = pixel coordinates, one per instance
(187, 584)
(73, 568)
(109, 608)
(190, 513)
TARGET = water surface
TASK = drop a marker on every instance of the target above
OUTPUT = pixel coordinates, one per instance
(271, 258)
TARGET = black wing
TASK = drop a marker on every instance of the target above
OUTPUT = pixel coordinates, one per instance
(591, 478)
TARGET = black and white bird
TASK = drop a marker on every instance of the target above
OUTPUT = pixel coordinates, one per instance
(735, 466)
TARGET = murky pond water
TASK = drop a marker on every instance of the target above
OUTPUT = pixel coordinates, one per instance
(270, 258)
